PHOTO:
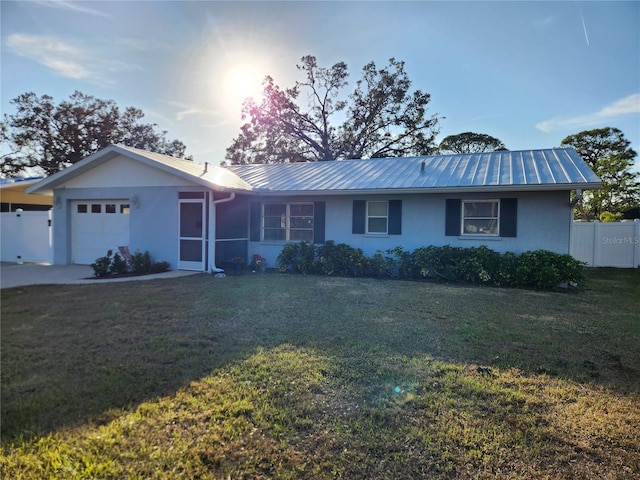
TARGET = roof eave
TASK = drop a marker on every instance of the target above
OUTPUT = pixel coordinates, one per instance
(434, 190)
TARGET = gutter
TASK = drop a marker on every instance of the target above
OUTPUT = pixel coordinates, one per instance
(431, 190)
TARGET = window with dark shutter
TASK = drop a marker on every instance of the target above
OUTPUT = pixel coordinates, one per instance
(452, 217)
(481, 217)
(318, 222)
(377, 217)
(254, 221)
(508, 217)
(395, 217)
(359, 216)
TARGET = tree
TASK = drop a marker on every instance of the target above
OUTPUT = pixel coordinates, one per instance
(313, 121)
(49, 136)
(609, 155)
(470, 142)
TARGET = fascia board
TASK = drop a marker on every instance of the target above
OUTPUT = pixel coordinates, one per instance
(433, 190)
(22, 183)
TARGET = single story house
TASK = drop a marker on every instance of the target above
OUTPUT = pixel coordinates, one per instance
(199, 216)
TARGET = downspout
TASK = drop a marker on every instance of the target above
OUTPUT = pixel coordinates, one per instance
(573, 204)
(212, 231)
(576, 199)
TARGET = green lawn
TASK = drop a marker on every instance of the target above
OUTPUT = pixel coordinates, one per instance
(283, 376)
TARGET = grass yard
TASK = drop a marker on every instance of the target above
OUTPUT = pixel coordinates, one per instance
(283, 376)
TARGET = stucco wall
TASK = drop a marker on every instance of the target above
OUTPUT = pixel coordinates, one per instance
(543, 222)
(153, 224)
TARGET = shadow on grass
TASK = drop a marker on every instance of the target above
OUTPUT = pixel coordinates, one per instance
(72, 354)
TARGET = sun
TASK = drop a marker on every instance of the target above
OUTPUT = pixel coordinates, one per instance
(243, 81)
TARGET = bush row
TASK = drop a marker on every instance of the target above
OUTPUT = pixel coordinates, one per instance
(138, 264)
(539, 269)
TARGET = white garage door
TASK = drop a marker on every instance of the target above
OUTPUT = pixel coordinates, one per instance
(96, 227)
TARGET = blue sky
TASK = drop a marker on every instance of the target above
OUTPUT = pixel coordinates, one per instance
(528, 73)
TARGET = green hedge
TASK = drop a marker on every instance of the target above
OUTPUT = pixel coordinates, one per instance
(539, 269)
(139, 263)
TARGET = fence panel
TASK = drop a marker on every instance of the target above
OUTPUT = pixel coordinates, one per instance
(615, 244)
(26, 237)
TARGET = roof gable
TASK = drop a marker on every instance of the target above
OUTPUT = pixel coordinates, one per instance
(209, 176)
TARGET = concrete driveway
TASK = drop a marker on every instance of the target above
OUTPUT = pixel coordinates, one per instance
(14, 275)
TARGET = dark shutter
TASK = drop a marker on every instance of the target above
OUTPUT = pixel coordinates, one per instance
(452, 217)
(318, 222)
(508, 217)
(395, 217)
(254, 222)
(359, 213)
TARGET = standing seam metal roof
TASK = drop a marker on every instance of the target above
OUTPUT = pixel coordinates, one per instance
(560, 169)
(522, 170)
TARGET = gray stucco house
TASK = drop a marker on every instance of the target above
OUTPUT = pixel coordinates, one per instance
(198, 216)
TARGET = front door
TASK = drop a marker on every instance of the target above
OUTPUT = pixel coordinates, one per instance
(192, 234)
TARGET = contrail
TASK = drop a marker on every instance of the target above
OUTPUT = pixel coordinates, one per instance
(584, 27)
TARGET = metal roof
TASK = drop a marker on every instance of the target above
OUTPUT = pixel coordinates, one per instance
(551, 169)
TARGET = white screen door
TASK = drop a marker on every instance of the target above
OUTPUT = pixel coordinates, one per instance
(192, 234)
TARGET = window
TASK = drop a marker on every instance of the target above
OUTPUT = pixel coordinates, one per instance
(498, 218)
(110, 208)
(96, 208)
(282, 221)
(191, 195)
(82, 208)
(480, 217)
(291, 222)
(124, 209)
(377, 217)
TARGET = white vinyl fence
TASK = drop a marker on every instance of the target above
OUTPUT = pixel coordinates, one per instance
(26, 237)
(615, 244)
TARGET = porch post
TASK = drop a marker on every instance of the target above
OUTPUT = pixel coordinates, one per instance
(212, 230)
(211, 253)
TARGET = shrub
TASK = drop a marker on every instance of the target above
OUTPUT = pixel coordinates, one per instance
(404, 265)
(289, 258)
(140, 263)
(299, 258)
(119, 265)
(434, 262)
(325, 259)
(540, 269)
(102, 265)
(544, 269)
